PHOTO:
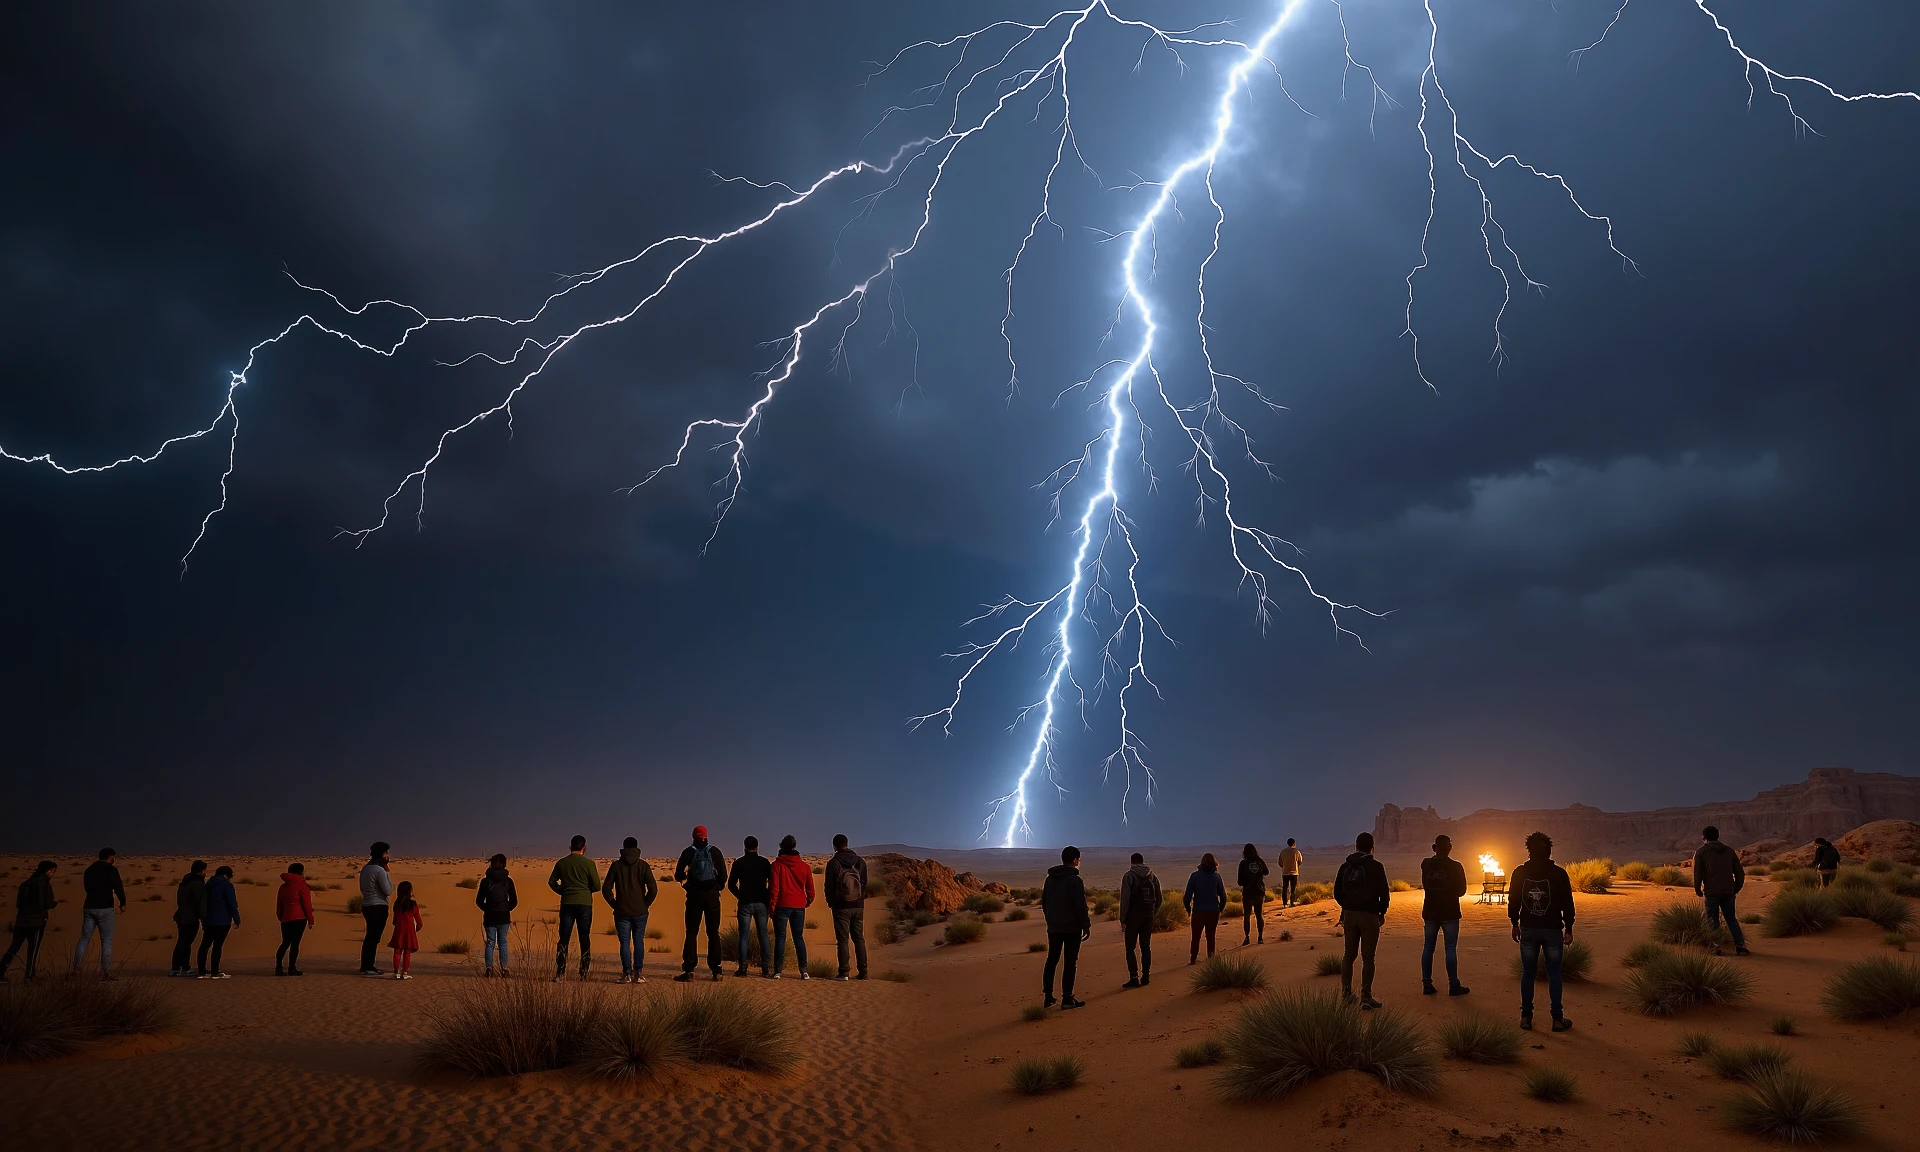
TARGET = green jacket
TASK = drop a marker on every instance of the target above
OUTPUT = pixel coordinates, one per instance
(576, 878)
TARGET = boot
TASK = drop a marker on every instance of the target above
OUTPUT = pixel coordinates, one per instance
(585, 963)
(559, 967)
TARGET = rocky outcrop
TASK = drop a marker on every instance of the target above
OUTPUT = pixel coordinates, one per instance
(925, 885)
(1897, 840)
(1827, 802)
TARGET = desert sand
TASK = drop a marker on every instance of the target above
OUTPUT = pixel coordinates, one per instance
(327, 1061)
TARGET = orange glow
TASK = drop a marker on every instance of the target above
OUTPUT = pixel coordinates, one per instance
(1489, 866)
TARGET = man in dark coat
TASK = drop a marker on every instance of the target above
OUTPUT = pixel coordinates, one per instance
(1063, 901)
(1139, 902)
(702, 871)
(1360, 888)
(1443, 882)
(1540, 907)
(847, 897)
(189, 908)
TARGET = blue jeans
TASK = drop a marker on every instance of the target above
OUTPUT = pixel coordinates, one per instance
(90, 920)
(1533, 942)
(755, 914)
(1451, 928)
(783, 919)
(1717, 904)
(632, 931)
(571, 915)
(496, 938)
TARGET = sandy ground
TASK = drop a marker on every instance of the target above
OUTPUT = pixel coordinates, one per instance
(327, 1061)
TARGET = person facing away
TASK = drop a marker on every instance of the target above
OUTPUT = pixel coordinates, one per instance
(630, 891)
(1360, 888)
(1205, 896)
(1826, 860)
(223, 916)
(1540, 908)
(406, 930)
(575, 879)
(1139, 902)
(1063, 901)
(751, 882)
(496, 897)
(32, 902)
(1289, 860)
(101, 890)
(791, 894)
(847, 896)
(702, 871)
(293, 908)
(1718, 877)
(189, 908)
(1443, 882)
(376, 888)
(1253, 895)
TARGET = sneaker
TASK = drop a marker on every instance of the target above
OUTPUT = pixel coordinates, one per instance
(683, 978)
(406, 975)
(1526, 1021)
(1070, 1002)
(769, 975)
(861, 976)
(1132, 983)
(1368, 1003)
(1458, 990)
(804, 975)
(623, 978)
(1428, 990)
(371, 972)
(1144, 981)
(205, 976)
(295, 972)
(1048, 1002)
(843, 978)
(639, 979)
(1245, 941)
(740, 971)
(1561, 1023)
(1742, 951)
(403, 976)
(716, 977)
(488, 972)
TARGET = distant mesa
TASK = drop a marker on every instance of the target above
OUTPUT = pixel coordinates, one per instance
(1830, 802)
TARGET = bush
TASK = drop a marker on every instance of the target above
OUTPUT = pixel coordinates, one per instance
(1855, 878)
(1037, 946)
(983, 902)
(509, 1027)
(966, 931)
(1800, 912)
(55, 1016)
(1282, 1041)
(1799, 878)
(1399, 886)
(923, 918)
(1697, 1044)
(1881, 907)
(1873, 989)
(1789, 1106)
(468, 882)
(636, 1040)
(1780, 866)
(1751, 918)
(1223, 972)
(1894, 940)
(731, 1028)
(897, 976)
(1208, 1051)
(1549, 1085)
(1783, 1025)
(1016, 914)
(730, 946)
(1576, 963)
(1644, 952)
(821, 969)
(1879, 864)
(1747, 1062)
(885, 931)
(1592, 876)
(1312, 893)
(1481, 1039)
(1035, 1076)
(1906, 886)
(1684, 924)
(454, 948)
(1680, 980)
(1233, 911)
(1636, 870)
(354, 905)
(1328, 965)
(1034, 1013)
(1671, 877)
(656, 933)
(1170, 914)
(876, 888)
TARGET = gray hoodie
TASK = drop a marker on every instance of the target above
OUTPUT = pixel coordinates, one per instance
(1139, 895)
(375, 885)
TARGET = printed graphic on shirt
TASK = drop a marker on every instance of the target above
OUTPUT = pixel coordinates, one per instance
(1356, 873)
(1536, 897)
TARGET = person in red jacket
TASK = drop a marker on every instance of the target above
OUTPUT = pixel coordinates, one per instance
(792, 893)
(406, 930)
(293, 907)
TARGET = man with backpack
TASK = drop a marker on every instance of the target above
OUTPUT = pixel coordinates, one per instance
(1442, 883)
(1540, 907)
(847, 897)
(496, 898)
(1360, 888)
(189, 908)
(1139, 901)
(1063, 901)
(1826, 860)
(630, 890)
(1718, 876)
(702, 871)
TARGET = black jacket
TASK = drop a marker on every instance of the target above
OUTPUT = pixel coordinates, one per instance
(1253, 880)
(751, 880)
(35, 901)
(1826, 857)
(1361, 885)
(190, 899)
(1444, 881)
(1717, 871)
(1539, 895)
(1139, 896)
(630, 888)
(1063, 901)
(843, 861)
(496, 898)
(101, 883)
(683, 872)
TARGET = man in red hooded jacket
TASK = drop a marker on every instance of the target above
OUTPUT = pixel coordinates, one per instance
(293, 907)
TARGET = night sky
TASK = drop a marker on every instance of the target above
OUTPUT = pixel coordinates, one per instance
(1665, 555)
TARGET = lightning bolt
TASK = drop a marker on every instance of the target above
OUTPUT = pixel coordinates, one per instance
(993, 74)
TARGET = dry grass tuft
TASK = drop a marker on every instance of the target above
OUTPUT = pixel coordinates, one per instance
(1681, 980)
(638, 1039)
(508, 1027)
(1697, 1044)
(1550, 1085)
(897, 976)
(1480, 1038)
(1206, 1052)
(454, 948)
(823, 969)
(468, 882)
(1636, 870)
(1328, 965)
(983, 902)
(1576, 963)
(1671, 877)
(1037, 946)
(729, 1027)
(58, 1015)
(1747, 1062)
(1016, 914)
(1800, 912)
(1036, 1076)
(1221, 972)
(1033, 1013)
(1170, 914)
(965, 931)
(1789, 1106)
(1684, 924)
(1889, 911)
(1784, 1025)
(1873, 989)
(1282, 1041)
(1593, 876)
(1643, 952)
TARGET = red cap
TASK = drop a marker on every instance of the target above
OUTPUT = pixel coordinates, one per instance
(699, 831)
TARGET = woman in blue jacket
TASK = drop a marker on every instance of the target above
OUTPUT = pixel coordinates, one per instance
(223, 916)
(1205, 897)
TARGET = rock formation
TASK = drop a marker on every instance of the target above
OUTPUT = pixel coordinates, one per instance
(1827, 803)
(1897, 840)
(925, 885)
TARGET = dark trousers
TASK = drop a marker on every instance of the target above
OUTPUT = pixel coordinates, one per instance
(1253, 911)
(376, 917)
(704, 907)
(30, 937)
(214, 939)
(290, 933)
(754, 917)
(576, 920)
(1142, 935)
(1204, 922)
(183, 945)
(1534, 942)
(1363, 936)
(1288, 885)
(850, 928)
(1449, 930)
(1059, 945)
(1715, 906)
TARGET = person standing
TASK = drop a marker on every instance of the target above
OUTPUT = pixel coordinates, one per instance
(702, 872)
(1360, 888)
(1718, 876)
(1063, 901)
(189, 908)
(376, 888)
(223, 916)
(496, 897)
(101, 890)
(847, 896)
(751, 882)
(575, 879)
(1290, 860)
(630, 890)
(293, 907)
(1204, 898)
(1139, 902)
(791, 894)
(1253, 895)
(406, 931)
(31, 905)
(1443, 882)
(1540, 908)
(1826, 860)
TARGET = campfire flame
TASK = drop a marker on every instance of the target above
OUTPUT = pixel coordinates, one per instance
(1489, 866)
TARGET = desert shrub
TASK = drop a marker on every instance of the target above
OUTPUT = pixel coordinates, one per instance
(1748, 1061)
(1016, 914)
(656, 933)
(819, 869)
(1233, 911)
(1170, 914)
(1636, 870)
(1312, 893)
(1642, 953)
(1025, 895)
(1282, 1041)
(1037, 946)
(1105, 903)
(1222, 972)
(1780, 866)
(1879, 864)
(1669, 876)
(876, 887)
(55, 1016)
(1480, 1038)
(1034, 1076)
(1873, 989)
(897, 976)
(1680, 980)
(1800, 912)
(1799, 878)
(658, 948)
(812, 924)
(1576, 963)
(1751, 918)
(886, 931)
(454, 948)
(1328, 965)
(1784, 1025)
(354, 905)
(1684, 924)
(1697, 1044)
(1855, 878)
(1033, 1013)
(1285, 936)
(1399, 886)
(636, 1039)
(34, 1026)
(509, 1027)
(1789, 1106)
(821, 969)
(729, 1027)
(1894, 940)
(730, 945)
(965, 931)
(922, 918)
(1549, 1085)
(1208, 1051)
(1593, 876)
(983, 902)
(1906, 886)
(1881, 907)
(467, 882)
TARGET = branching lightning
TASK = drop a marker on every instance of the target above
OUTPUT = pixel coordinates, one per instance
(1001, 72)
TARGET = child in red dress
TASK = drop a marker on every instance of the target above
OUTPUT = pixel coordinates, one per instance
(406, 930)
